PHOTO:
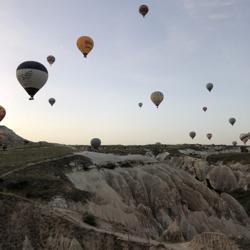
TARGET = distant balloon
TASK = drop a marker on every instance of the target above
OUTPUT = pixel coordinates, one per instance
(143, 9)
(209, 86)
(85, 44)
(32, 76)
(204, 109)
(209, 136)
(232, 120)
(192, 134)
(51, 59)
(140, 104)
(234, 143)
(244, 138)
(95, 143)
(2, 112)
(157, 98)
(52, 101)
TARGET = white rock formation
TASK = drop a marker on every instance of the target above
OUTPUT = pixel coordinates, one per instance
(160, 199)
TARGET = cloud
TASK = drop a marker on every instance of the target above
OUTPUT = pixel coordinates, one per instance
(217, 17)
(210, 9)
(193, 4)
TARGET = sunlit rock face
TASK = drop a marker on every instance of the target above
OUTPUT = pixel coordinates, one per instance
(161, 200)
(58, 202)
(212, 241)
(222, 177)
(205, 151)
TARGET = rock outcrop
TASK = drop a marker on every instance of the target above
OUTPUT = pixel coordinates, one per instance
(175, 205)
(223, 177)
(9, 137)
(139, 203)
(212, 241)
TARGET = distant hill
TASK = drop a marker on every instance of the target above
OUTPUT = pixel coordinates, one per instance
(9, 137)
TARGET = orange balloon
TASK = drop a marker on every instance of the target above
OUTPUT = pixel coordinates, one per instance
(85, 44)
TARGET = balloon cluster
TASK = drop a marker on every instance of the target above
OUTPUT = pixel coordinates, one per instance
(33, 76)
(232, 120)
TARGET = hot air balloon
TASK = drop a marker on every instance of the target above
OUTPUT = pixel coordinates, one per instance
(140, 104)
(209, 86)
(234, 143)
(95, 143)
(51, 59)
(85, 44)
(2, 113)
(143, 9)
(157, 97)
(232, 120)
(32, 76)
(244, 138)
(209, 136)
(204, 109)
(52, 101)
(192, 134)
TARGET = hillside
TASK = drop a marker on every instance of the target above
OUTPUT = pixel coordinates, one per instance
(179, 197)
(9, 137)
(134, 200)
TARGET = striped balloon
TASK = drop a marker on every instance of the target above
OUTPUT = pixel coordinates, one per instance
(32, 76)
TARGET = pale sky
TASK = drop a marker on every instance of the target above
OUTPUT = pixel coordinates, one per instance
(178, 48)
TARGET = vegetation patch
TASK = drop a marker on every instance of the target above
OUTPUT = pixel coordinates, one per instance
(89, 219)
(242, 197)
(45, 181)
(243, 158)
(17, 157)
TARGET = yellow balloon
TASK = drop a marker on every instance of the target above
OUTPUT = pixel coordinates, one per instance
(85, 44)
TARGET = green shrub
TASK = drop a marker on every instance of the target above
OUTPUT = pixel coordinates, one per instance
(89, 219)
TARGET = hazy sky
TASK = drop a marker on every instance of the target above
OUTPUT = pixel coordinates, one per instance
(177, 48)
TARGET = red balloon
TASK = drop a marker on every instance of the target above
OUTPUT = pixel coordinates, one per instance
(2, 113)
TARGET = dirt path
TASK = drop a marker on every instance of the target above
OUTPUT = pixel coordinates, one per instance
(75, 218)
(33, 164)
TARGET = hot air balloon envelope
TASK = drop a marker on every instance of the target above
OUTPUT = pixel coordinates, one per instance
(209, 136)
(244, 138)
(143, 9)
(52, 101)
(157, 97)
(95, 143)
(209, 86)
(232, 121)
(85, 44)
(51, 59)
(192, 134)
(2, 112)
(32, 76)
